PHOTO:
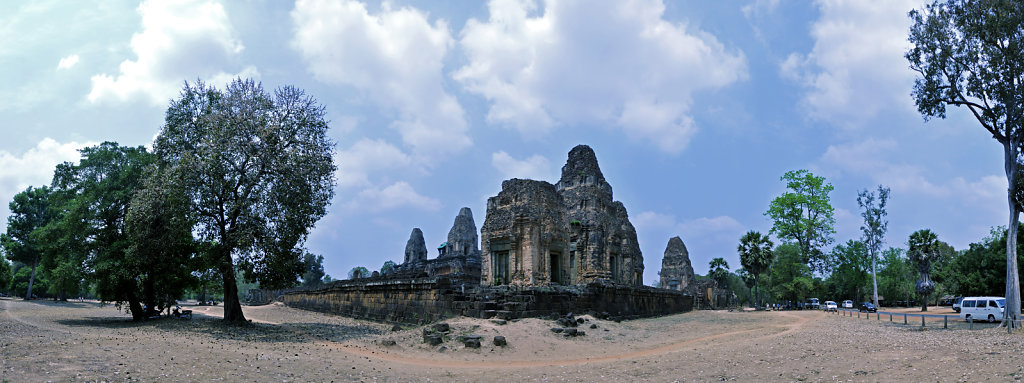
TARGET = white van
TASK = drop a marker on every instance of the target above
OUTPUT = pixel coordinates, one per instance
(982, 308)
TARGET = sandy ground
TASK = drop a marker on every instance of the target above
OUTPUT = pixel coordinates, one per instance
(83, 341)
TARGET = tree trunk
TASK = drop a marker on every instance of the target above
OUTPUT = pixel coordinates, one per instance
(32, 278)
(135, 306)
(924, 303)
(1011, 312)
(232, 307)
(874, 279)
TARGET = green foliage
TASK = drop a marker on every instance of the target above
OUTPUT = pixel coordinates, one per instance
(875, 226)
(804, 215)
(20, 281)
(850, 266)
(258, 170)
(789, 276)
(29, 212)
(978, 270)
(358, 272)
(314, 274)
(6, 275)
(161, 252)
(718, 269)
(388, 267)
(896, 276)
(89, 237)
(756, 256)
(971, 54)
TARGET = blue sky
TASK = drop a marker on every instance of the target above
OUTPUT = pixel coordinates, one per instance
(695, 109)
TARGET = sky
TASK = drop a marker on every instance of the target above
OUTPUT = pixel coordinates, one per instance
(695, 109)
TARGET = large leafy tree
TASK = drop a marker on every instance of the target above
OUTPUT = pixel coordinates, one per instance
(790, 278)
(756, 256)
(90, 237)
(977, 270)
(314, 270)
(970, 54)
(896, 276)
(849, 270)
(29, 212)
(923, 250)
(875, 225)
(161, 254)
(804, 215)
(258, 172)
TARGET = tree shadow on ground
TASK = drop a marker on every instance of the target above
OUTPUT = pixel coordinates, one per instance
(201, 326)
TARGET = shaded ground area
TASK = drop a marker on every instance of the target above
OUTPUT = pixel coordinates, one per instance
(46, 341)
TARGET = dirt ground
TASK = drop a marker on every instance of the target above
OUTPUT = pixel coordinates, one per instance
(44, 341)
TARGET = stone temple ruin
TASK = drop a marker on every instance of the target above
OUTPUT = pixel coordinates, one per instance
(571, 233)
(543, 250)
(676, 271)
(458, 257)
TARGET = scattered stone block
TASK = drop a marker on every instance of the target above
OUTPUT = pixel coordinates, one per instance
(389, 342)
(501, 322)
(396, 328)
(500, 341)
(442, 327)
(593, 326)
(570, 332)
(433, 339)
(557, 330)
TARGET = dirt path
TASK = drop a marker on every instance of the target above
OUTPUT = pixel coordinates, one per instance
(689, 344)
(46, 341)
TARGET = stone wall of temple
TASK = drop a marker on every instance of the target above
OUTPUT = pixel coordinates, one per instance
(425, 300)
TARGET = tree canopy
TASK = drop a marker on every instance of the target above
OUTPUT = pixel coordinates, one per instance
(970, 54)
(258, 172)
(756, 256)
(30, 210)
(804, 215)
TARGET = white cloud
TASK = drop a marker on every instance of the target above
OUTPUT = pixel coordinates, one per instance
(398, 195)
(537, 167)
(873, 159)
(581, 63)
(179, 41)
(705, 237)
(759, 8)
(856, 69)
(32, 168)
(366, 157)
(720, 228)
(395, 57)
(67, 62)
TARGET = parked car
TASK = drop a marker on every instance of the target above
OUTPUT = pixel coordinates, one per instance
(982, 308)
(847, 304)
(830, 306)
(956, 303)
(867, 307)
(812, 304)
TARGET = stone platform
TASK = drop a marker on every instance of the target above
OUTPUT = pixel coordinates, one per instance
(425, 300)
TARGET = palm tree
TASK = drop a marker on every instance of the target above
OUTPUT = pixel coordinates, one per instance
(755, 255)
(924, 249)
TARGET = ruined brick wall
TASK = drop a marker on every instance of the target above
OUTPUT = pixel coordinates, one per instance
(424, 300)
